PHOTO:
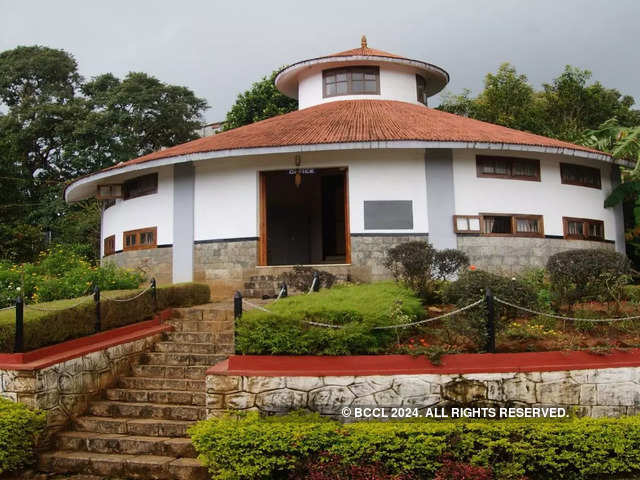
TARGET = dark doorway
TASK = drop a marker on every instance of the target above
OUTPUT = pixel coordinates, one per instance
(305, 224)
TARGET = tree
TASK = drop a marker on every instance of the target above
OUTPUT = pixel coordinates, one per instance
(261, 101)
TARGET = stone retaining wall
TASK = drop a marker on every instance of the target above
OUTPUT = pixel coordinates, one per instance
(368, 252)
(154, 262)
(595, 393)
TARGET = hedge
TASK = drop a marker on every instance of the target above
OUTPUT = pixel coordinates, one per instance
(68, 320)
(253, 448)
(20, 429)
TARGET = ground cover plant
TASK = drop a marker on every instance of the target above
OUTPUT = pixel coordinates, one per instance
(252, 448)
(20, 429)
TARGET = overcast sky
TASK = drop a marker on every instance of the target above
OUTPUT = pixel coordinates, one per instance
(218, 48)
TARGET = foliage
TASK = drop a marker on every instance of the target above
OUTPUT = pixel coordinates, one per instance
(263, 100)
(54, 322)
(356, 308)
(536, 279)
(253, 448)
(417, 265)
(301, 278)
(452, 470)
(20, 429)
(582, 274)
(527, 331)
(332, 467)
(632, 293)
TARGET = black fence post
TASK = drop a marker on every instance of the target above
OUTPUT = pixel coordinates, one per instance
(316, 282)
(96, 298)
(284, 290)
(491, 321)
(19, 339)
(237, 305)
(154, 295)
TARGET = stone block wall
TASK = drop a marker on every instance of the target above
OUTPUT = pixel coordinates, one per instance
(514, 254)
(368, 252)
(154, 262)
(595, 393)
(222, 264)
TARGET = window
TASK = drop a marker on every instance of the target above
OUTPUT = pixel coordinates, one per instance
(512, 224)
(583, 229)
(110, 245)
(139, 239)
(421, 84)
(466, 223)
(109, 192)
(139, 186)
(508, 167)
(351, 81)
(580, 175)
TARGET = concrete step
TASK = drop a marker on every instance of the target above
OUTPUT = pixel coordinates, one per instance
(150, 383)
(163, 411)
(123, 466)
(174, 347)
(183, 359)
(176, 397)
(148, 427)
(196, 372)
(126, 444)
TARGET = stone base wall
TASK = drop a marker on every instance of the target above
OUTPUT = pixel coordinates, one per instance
(223, 264)
(514, 254)
(368, 252)
(154, 262)
(64, 390)
(595, 393)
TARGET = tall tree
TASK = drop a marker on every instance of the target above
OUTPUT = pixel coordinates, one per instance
(261, 101)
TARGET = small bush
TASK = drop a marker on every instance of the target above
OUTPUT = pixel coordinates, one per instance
(254, 448)
(450, 261)
(301, 278)
(20, 429)
(579, 275)
(332, 467)
(632, 293)
(66, 319)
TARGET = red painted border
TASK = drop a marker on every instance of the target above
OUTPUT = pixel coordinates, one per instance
(47, 356)
(319, 366)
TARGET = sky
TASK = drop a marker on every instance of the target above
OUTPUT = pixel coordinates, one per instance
(218, 48)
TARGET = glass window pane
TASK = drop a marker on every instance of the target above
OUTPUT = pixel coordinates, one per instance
(501, 167)
(497, 224)
(341, 77)
(474, 224)
(341, 88)
(369, 76)
(575, 228)
(330, 78)
(596, 230)
(524, 169)
(357, 86)
(370, 86)
(357, 76)
(330, 89)
(526, 225)
(487, 167)
(462, 223)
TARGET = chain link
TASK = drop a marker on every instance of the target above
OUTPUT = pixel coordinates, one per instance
(130, 299)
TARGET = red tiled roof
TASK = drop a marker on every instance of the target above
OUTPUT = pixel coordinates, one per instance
(366, 51)
(358, 121)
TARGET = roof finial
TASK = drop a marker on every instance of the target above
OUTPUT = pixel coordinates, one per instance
(363, 41)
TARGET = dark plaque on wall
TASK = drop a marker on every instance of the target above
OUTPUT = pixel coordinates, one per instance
(388, 214)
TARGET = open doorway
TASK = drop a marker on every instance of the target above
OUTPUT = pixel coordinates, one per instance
(304, 224)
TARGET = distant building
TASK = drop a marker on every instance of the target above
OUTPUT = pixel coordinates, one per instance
(210, 129)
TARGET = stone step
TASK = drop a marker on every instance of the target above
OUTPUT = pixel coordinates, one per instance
(148, 427)
(175, 347)
(127, 444)
(260, 292)
(207, 326)
(176, 397)
(166, 411)
(184, 359)
(187, 337)
(123, 466)
(150, 383)
(203, 313)
(251, 285)
(196, 372)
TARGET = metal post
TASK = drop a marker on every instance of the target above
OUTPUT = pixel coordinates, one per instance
(96, 298)
(19, 339)
(154, 294)
(284, 289)
(237, 305)
(491, 322)
(316, 282)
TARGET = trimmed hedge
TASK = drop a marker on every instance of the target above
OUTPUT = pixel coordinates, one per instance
(68, 321)
(253, 448)
(20, 429)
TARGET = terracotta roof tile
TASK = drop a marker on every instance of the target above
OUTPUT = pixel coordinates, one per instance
(366, 51)
(358, 121)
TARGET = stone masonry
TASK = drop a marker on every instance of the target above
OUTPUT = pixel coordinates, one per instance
(596, 393)
(368, 252)
(514, 254)
(222, 265)
(154, 262)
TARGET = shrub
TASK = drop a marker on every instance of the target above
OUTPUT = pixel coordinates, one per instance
(632, 293)
(301, 278)
(417, 264)
(578, 275)
(356, 308)
(253, 448)
(20, 429)
(67, 319)
(471, 286)
(332, 467)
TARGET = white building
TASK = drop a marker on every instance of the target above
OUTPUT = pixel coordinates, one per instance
(362, 165)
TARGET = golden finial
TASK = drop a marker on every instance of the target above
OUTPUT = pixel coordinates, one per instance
(363, 41)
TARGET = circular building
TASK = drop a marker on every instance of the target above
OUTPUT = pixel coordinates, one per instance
(364, 164)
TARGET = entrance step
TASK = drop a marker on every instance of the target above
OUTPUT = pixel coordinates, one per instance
(109, 408)
(176, 397)
(151, 383)
(175, 347)
(186, 359)
(126, 444)
(149, 427)
(196, 372)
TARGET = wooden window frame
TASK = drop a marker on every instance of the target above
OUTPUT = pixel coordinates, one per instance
(114, 190)
(137, 233)
(510, 160)
(564, 166)
(349, 71)
(514, 218)
(468, 217)
(585, 229)
(109, 245)
(420, 89)
(127, 194)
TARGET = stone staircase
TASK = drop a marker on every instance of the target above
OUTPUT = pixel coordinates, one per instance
(138, 430)
(262, 286)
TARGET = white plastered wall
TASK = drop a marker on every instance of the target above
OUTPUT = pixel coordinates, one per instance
(549, 197)
(154, 210)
